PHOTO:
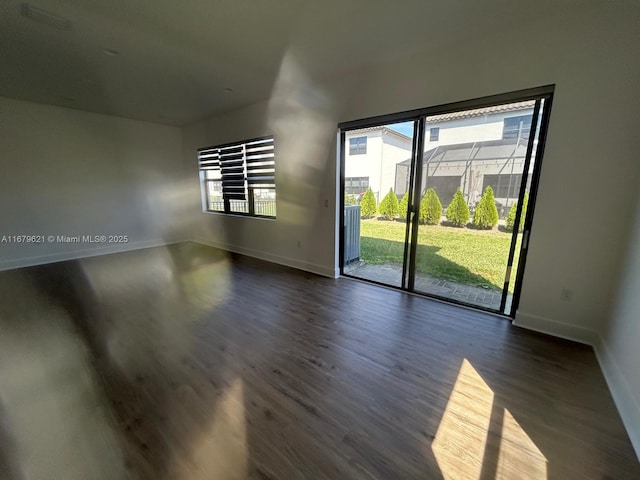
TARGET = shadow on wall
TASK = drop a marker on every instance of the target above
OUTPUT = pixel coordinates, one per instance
(304, 120)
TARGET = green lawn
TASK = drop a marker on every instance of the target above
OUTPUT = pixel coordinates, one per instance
(473, 257)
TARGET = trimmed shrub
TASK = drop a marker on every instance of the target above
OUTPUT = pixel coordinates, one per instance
(486, 213)
(368, 205)
(350, 199)
(402, 207)
(511, 217)
(389, 205)
(458, 210)
(430, 208)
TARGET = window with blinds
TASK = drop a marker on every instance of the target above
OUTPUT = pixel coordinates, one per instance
(239, 178)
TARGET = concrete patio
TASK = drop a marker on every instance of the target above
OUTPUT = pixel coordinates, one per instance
(391, 274)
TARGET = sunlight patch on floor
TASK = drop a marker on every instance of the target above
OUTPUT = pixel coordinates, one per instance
(477, 439)
(519, 456)
(461, 437)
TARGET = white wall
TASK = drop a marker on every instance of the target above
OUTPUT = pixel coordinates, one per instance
(66, 172)
(618, 350)
(590, 171)
(591, 56)
(304, 125)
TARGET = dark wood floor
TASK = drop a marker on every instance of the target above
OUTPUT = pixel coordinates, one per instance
(189, 363)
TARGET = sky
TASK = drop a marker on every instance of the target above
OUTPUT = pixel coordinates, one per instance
(406, 128)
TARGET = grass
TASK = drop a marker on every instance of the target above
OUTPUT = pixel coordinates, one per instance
(472, 257)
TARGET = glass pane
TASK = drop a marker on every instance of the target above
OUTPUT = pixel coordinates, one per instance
(471, 177)
(239, 206)
(264, 202)
(377, 164)
(510, 224)
(214, 195)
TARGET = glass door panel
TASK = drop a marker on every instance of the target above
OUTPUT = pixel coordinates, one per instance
(377, 178)
(441, 204)
(518, 221)
(474, 165)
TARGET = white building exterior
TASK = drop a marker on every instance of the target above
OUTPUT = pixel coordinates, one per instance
(471, 150)
(371, 156)
(474, 125)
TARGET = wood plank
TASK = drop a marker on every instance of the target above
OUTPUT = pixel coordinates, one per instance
(186, 362)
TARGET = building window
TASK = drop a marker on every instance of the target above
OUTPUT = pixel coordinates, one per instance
(517, 127)
(358, 146)
(505, 186)
(356, 185)
(434, 134)
(239, 178)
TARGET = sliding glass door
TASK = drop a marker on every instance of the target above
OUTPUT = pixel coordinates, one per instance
(440, 201)
(375, 228)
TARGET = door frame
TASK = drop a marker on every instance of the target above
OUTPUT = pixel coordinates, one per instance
(418, 117)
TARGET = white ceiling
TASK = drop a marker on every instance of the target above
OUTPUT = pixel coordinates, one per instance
(177, 58)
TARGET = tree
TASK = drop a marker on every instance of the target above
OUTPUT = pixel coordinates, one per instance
(389, 205)
(511, 217)
(430, 208)
(458, 210)
(486, 213)
(368, 205)
(402, 207)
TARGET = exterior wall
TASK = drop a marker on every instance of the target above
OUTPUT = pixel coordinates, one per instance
(369, 164)
(486, 127)
(470, 129)
(384, 150)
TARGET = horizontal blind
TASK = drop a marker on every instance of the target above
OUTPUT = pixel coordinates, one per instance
(233, 172)
(260, 161)
(209, 159)
(242, 165)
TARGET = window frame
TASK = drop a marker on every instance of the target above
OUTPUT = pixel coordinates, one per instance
(434, 134)
(356, 146)
(511, 132)
(242, 170)
(541, 95)
(350, 184)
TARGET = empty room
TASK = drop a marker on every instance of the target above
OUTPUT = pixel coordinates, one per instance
(287, 239)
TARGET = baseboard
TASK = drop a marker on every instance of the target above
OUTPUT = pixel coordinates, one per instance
(628, 406)
(269, 257)
(555, 328)
(83, 253)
